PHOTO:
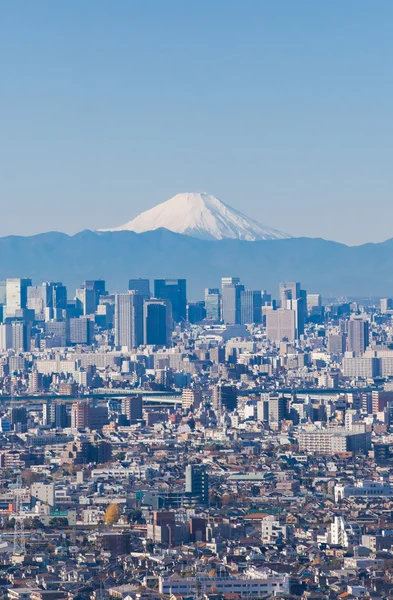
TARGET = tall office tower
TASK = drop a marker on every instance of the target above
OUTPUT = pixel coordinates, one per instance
(313, 300)
(128, 320)
(231, 290)
(5, 337)
(292, 297)
(277, 409)
(224, 397)
(288, 291)
(59, 296)
(175, 291)
(97, 286)
(197, 482)
(250, 307)
(386, 305)
(141, 287)
(213, 304)
(157, 322)
(81, 331)
(39, 297)
(21, 336)
(358, 335)
(86, 301)
(80, 415)
(16, 290)
(196, 312)
(281, 325)
(131, 407)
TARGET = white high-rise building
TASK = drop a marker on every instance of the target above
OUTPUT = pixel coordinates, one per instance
(16, 294)
(281, 325)
(5, 337)
(128, 320)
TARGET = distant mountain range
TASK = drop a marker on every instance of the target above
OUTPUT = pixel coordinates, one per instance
(321, 266)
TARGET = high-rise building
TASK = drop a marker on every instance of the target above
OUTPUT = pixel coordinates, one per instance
(80, 415)
(277, 409)
(81, 331)
(174, 291)
(358, 335)
(224, 397)
(54, 414)
(16, 291)
(281, 325)
(231, 290)
(86, 301)
(5, 337)
(191, 398)
(196, 312)
(213, 304)
(292, 297)
(197, 482)
(141, 287)
(250, 307)
(157, 322)
(21, 336)
(337, 343)
(386, 305)
(131, 407)
(128, 320)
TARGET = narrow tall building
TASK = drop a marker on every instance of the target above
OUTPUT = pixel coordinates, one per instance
(157, 322)
(175, 292)
(358, 335)
(213, 304)
(231, 291)
(128, 320)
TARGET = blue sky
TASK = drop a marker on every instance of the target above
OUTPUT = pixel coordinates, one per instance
(281, 109)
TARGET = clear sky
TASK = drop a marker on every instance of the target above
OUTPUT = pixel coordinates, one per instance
(282, 109)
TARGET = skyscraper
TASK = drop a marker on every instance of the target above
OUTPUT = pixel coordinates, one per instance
(128, 320)
(250, 306)
(358, 335)
(86, 301)
(292, 297)
(141, 286)
(16, 290)
(157, 322)
(213, 304)
(173, 290)
(281, 325)
(81, 331)
(21, 336)
(231, 290)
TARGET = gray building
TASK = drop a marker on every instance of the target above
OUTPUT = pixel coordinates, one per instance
(129, 320)
(231, 291)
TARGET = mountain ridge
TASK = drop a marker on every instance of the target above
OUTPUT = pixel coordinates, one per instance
(322, 266)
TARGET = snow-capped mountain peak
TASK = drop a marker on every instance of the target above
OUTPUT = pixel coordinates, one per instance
(200, 215)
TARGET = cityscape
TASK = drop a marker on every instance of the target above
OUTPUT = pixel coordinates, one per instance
(240, 445)
(196, 300)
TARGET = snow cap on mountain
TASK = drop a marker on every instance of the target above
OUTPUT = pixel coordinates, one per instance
(200, 215)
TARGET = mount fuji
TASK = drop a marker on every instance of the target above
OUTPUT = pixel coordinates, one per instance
(202, 216)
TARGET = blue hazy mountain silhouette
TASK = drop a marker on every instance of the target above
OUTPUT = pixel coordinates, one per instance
(321, 266)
